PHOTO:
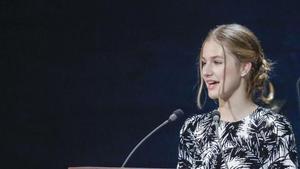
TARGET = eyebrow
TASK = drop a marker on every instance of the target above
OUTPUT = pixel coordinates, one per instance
(214, 57)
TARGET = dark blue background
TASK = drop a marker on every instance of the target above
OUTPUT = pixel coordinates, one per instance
(84, 81)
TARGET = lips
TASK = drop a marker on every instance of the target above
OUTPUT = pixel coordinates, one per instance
(211, 84)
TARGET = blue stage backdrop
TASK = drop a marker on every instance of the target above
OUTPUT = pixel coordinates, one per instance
(84, 81)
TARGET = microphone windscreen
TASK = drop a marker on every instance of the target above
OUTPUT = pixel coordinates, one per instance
(176, 114)
(216, 115)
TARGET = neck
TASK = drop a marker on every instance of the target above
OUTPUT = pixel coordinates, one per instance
(236, 107)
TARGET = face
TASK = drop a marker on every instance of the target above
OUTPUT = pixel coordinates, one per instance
(222, 76)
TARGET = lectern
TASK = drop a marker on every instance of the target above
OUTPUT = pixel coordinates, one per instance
(112, 168)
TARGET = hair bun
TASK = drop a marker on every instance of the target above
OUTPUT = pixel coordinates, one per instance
(263, 76)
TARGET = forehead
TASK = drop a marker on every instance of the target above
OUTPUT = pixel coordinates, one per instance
(212, 49)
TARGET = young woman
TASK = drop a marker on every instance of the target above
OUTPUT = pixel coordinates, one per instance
(234, 69)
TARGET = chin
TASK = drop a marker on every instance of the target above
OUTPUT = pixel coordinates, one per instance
(213, 96)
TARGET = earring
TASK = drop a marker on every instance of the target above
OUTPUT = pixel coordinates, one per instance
(243, 74)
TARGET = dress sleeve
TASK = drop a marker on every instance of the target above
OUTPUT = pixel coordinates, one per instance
(284, 150)
(186, 146)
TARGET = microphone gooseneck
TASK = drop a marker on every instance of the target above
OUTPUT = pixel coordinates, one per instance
(298, 93)
(173, 117)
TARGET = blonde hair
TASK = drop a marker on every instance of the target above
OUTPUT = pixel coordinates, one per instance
(242, 43)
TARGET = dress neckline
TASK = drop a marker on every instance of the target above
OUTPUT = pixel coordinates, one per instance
(243, 119)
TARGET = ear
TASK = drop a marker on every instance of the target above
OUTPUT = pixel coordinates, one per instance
(245, 68)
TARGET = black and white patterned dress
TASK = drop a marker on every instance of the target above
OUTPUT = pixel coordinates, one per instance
(263, 139)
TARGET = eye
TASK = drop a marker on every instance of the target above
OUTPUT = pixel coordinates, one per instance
(203, 63)
(217, 62)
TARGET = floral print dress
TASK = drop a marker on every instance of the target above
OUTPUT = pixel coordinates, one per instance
(263, 139)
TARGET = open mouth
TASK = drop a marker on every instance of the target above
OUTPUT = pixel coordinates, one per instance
(211, 84)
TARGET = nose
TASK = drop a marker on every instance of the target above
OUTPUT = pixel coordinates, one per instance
(206, 70)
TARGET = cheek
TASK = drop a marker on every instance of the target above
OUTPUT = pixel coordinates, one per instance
(230, 76)
(231, 72)
(219, 72)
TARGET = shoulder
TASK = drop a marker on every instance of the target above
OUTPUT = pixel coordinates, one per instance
(271, 117)
(278, 123)
(194, 121)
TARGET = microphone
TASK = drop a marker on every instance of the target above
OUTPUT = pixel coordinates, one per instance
(173, 117)
(215, 123)
(216, 117)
